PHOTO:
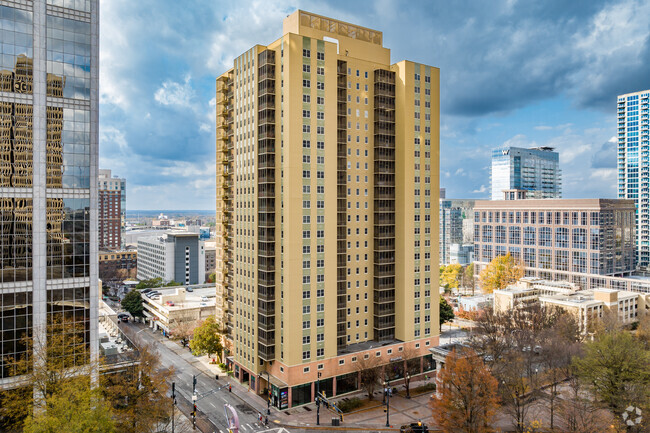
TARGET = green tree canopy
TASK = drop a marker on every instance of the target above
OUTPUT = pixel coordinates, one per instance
(615, 366)
(150, 284)
(446, 311)
(501, 272)
(207, 338)
(132, 303)
(74, 408)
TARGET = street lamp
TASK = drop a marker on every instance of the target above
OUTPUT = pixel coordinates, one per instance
(387, 395)
(408, 380)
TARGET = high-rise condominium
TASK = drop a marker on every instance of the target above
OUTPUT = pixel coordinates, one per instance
(48, 176)
(536, 171)
(112, 211)
(327, 239)
(634, 164)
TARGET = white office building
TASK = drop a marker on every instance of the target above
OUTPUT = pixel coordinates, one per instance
(179, 257)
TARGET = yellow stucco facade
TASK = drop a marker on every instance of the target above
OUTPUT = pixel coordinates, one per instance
(327, 168)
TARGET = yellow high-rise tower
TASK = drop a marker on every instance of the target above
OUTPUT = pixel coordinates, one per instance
(327, 239)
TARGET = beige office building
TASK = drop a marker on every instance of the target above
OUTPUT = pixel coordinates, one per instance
(327, 165)
(586, 305)
(589, 242)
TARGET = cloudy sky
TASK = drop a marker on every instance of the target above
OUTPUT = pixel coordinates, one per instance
(520, 72)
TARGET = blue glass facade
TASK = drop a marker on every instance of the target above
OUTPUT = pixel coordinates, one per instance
(536, 171)
(634, 164)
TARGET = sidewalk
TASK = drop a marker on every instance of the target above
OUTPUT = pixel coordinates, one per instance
(402, 410)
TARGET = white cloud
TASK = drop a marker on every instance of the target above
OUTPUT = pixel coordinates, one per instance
(481, 190)
(173, 93)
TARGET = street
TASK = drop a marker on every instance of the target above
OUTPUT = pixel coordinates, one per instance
(210, 413)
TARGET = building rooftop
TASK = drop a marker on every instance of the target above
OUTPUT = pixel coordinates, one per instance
(178, 298)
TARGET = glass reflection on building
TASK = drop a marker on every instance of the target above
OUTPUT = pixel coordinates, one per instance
(47, 249)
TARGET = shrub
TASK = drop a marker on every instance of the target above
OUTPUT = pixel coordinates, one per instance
(350, 404)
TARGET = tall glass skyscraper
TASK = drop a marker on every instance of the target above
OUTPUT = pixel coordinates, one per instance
(634, 167)
(536, 171)
(48, 176)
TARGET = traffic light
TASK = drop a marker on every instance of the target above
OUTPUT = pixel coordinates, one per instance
(385, 410)
(194, 411)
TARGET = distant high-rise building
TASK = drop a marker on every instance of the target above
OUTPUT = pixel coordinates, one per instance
(48, 177)
(327, 186)
(176, 257)
(456, 226)
(112, 211)
(634, 165)
(535, 170)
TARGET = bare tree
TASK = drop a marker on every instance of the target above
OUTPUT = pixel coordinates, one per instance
(371, 373)
(579, 413)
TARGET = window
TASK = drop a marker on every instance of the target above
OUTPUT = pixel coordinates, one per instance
(306, 98)
(320, 352)
(306, 83)
(320, 322)
(306, 68)
(306, 354)
(320, 71)
(320, 56)
(306, 324)
(320, 85)
(306, 53)
(341, 361)
(306, 144)
(306, 339)
(306, 113)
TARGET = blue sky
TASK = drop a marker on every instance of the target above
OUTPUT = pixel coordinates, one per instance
(512, 72)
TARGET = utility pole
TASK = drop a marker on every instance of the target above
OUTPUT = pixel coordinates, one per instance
(194, 398)
(173, 403)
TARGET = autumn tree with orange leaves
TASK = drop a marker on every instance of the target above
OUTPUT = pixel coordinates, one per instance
(467, 394)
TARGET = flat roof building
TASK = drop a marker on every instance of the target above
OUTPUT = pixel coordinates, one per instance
(327, 194)
(577, 240)
(176, 257)
(585, 305)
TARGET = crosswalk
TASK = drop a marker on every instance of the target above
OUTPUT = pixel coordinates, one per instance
(258, 428)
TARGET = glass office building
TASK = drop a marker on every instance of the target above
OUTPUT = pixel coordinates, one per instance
(536, 171)
(48, 176)
(634, 164)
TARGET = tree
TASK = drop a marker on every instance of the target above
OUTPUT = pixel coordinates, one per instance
(501, 272)
(615, 367)
(558, 346)
(446, 311)
(132, 303)
(48, 366)
(579, 412)
(468, 394)
(371, 373)
(468, 277)
(450, 276)
(184, 330)
(151, 283)
(207, 338)
(511, 342)
(74, 407)
(138, 395)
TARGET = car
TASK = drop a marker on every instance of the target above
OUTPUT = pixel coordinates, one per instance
(189, 289)
(145, 291)
(123, 317)
(204, 298)
(414, 427)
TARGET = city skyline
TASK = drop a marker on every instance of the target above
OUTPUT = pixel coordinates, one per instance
(529, 75)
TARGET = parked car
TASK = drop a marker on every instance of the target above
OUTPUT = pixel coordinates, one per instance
(414, 427)
(189, 289)
(145, 291)
(123, 317)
